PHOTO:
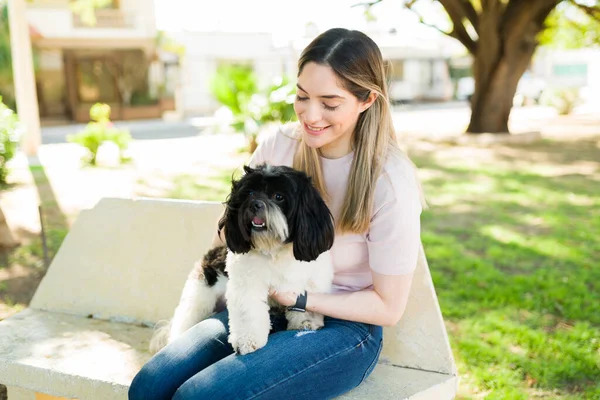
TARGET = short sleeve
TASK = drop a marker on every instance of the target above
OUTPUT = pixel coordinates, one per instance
(264, 150)
(394, 236)
(276, 147)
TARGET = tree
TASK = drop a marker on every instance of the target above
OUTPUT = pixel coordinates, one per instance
(501, 36)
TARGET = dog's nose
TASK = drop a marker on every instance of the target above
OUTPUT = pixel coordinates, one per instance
(256, 205)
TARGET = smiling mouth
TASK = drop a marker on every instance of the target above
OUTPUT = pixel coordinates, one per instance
(314, 129)
(258, 223)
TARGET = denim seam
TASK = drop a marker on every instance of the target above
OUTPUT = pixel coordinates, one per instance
(372, 365)
(311, 366)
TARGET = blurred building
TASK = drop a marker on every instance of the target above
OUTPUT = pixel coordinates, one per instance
(110, 61)
(419, 67)
(577, 68)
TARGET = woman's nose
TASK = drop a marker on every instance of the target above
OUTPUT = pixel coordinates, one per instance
(312, 113)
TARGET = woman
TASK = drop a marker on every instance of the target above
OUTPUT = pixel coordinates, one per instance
(345, 141)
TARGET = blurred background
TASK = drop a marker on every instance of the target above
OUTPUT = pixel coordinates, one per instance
(497, 102)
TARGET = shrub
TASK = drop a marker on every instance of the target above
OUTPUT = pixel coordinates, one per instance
(100, 130)
(564, 100)
(9, 138)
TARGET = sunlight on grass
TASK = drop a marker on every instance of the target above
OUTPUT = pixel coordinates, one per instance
(514, 256)
(547, 246)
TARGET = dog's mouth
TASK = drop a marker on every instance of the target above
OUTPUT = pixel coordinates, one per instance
(258, 224)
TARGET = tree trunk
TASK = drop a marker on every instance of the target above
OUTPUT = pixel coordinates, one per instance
(507, 41)
(493, 100)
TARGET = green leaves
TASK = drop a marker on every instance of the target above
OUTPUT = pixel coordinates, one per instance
(9, 138)
(236, 87)
(98, 131)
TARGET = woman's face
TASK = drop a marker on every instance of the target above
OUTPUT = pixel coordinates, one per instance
(328, 112)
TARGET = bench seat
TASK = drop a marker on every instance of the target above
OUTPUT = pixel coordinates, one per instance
(85, 334)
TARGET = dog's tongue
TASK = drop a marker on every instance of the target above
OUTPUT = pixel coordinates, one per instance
(258, 221)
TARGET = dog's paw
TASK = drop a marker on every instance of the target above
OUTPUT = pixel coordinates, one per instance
(247, 344)
(306, 325)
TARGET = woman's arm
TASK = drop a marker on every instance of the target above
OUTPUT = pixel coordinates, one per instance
(383, 305)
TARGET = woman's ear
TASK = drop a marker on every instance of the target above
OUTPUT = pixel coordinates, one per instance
(368, 103)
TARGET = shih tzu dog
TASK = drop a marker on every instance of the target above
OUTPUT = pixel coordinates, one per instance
(278, 232)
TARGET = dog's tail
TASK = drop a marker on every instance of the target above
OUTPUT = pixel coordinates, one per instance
(160, 338)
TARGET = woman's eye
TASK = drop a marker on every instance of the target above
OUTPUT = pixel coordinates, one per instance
(330, 108)
(298, 98)
(277, 197)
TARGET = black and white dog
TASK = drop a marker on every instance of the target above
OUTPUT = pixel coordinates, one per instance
(278, 232)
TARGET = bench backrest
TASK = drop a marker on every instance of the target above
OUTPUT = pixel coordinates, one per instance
(127, 260)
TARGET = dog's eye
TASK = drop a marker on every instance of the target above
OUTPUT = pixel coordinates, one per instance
(251, 193)
(277, 197)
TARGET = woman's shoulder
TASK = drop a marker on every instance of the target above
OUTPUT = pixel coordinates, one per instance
(278, 145)
(398, 181)
(282, 135)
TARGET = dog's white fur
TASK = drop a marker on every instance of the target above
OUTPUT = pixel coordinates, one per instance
(251, 276)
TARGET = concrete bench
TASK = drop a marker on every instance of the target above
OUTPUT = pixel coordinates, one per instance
(121, 268)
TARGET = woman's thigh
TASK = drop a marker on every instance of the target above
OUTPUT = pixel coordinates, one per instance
(294, 364)
(199, 347)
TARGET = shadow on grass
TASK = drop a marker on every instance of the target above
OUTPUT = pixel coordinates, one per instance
(27, 263)
(514, 257)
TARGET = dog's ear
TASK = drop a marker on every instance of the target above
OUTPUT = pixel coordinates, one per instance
(248, 169)
(237, 236)
(312, 230)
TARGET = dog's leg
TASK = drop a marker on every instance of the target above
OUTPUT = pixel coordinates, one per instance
(249, 321)
(320, 282)
(304, 321)
(197, 302)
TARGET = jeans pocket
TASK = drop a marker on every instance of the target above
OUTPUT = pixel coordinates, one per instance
(373, 363)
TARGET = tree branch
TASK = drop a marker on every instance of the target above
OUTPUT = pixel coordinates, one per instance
(422, 21)
(457, 14)
(592, 11)
(471, 14)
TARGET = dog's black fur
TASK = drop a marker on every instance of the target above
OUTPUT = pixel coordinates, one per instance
(213, 264)
(311, 229)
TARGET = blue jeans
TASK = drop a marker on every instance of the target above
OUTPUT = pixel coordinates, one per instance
(295, 365)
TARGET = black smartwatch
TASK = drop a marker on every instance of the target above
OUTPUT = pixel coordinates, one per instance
(300, 305)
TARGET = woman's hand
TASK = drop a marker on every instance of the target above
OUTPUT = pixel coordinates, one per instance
(286, 299)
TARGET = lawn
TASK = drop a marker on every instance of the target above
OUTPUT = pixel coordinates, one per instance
(512, 240)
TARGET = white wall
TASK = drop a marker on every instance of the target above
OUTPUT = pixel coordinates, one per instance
(204, 50)
(55, 20)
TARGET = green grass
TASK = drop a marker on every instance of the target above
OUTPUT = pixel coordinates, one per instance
(513, 252)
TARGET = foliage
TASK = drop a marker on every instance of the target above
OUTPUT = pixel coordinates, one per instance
(236, 87)
(570, 28)
(9, 138)
(6, 87)
(166, 43)
(5, 54)
(87, 9)
(141, 98)
(98, 131)
(564, 100)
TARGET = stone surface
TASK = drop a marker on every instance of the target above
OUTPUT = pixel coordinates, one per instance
(71, 356)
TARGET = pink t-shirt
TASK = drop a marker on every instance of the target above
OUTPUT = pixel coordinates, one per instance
(392, 243)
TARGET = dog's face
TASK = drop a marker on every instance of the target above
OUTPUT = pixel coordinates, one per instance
(272, 206)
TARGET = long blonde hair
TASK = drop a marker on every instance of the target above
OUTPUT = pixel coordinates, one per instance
(358, 64)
